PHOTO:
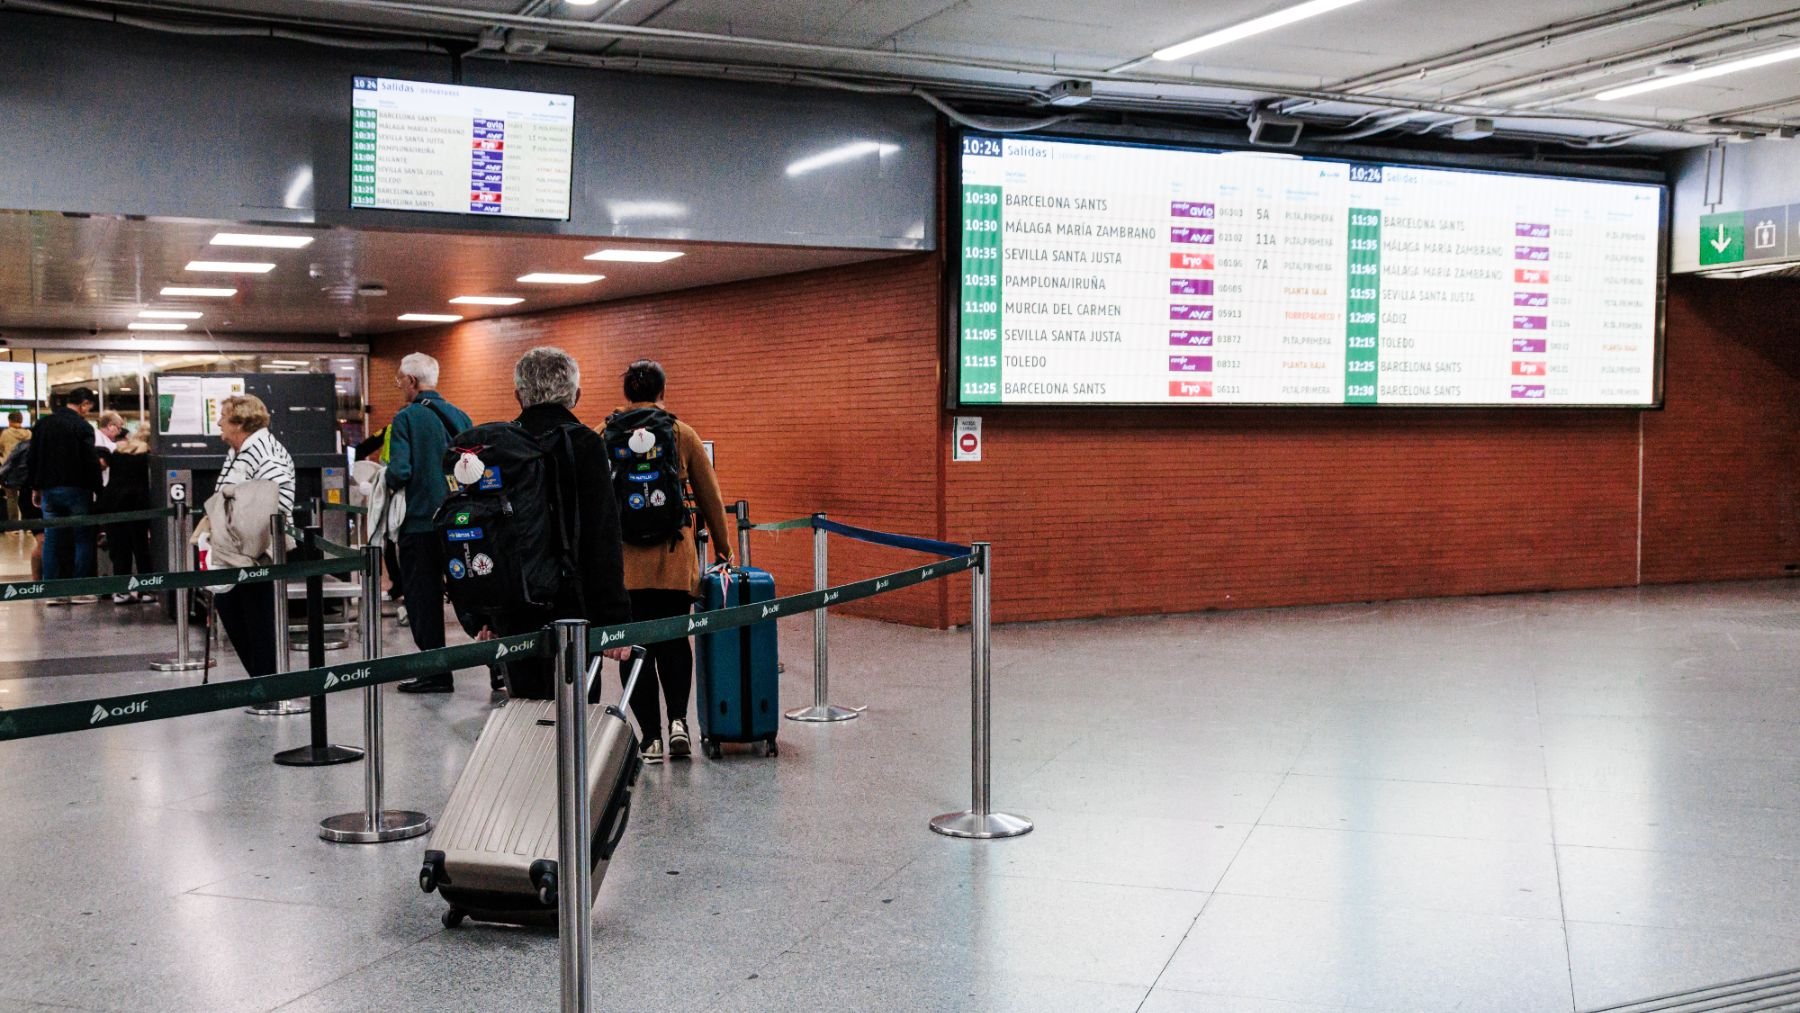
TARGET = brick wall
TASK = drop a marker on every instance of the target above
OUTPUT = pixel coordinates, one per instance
(821, 390)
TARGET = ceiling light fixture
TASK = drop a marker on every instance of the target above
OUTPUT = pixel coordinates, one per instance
(841, 153)
(488, 300)
(211, 293)
(139, 325)
(269, 242)
(429, 318)
(1243, 30)
(290, 362)
(170, 314)
(552, 278)
(1704, 73)
(636, 256)
(230, 266)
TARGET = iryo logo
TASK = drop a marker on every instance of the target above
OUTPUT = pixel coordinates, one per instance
(334, 678)
(101, 713)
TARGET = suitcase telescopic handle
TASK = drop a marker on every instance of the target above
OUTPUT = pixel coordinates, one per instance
(638, 654)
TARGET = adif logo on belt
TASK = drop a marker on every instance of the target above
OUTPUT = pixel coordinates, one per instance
(244, 575)
(882, 583)
(769, 610)
(137, 582)
(333, 678)
(697, 622)
(611, 638)
(101, 713)
(15, 590)
(503, 650)
(832, 596)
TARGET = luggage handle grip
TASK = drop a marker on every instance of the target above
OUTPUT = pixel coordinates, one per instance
(638, 654)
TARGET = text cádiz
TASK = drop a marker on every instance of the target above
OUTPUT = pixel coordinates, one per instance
(1063, 309)
(1084, 229)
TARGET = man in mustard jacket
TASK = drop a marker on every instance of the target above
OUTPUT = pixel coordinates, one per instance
(662, 571)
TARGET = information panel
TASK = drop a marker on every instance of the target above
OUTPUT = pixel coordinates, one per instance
(1114, 274)
(417, 146)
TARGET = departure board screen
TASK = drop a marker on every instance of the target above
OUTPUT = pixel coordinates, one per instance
(1100, 273)
(416, 146)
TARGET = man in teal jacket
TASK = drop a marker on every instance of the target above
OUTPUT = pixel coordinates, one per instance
(417, 440)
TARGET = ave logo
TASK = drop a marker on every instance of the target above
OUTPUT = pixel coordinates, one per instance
(101, 713)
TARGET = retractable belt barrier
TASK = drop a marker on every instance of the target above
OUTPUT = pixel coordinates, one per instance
(88, 520)
(798, 522)
(30, 590)
(348, 508)
(105, 712)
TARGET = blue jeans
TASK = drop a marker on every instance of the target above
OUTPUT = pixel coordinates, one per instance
(68, 552)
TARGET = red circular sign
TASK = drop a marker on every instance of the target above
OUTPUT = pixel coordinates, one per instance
(969, 442)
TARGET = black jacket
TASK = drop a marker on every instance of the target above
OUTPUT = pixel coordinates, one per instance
(127, 483)
(63, 452)
(598, 553)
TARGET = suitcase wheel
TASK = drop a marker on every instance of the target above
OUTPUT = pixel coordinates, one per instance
(547, 889)
(453, 917)
(773, 749)
(427, 879)
(711, 749)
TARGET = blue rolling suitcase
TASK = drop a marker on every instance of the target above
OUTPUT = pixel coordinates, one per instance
(739, 683)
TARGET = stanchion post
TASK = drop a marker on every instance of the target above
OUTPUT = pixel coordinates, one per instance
(180, 527)
(319, 752)
(283, 653)
(374, 824)
(574, 888)
(742, 509)
(821, 709)
(978, 821)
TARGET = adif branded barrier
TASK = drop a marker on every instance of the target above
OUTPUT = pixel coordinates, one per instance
(568, 642)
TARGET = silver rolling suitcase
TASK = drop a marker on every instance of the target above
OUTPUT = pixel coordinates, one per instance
(493, 854)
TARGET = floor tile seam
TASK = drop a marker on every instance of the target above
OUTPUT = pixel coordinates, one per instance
(1345, 1007)
(1786, 933)
(195, 892)
(1562, 903)
(1793, 861)
(358, 969)
(1404, 833)
(1369, 905)
(1420, 780)
(1712, 799)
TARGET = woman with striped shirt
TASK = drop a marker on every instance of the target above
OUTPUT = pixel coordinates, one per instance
(248, 610)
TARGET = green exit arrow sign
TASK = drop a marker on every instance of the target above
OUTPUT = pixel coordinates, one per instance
(1721, 238)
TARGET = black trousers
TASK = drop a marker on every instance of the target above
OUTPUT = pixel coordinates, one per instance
(128, 545)
(670, 664)
(422, 584)
(248, 614)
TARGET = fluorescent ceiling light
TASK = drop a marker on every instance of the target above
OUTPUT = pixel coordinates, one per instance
(215, 293)
(581, 3)
(842, 153)
(271, 242)
(430, 318)
(489, 300)
(1716, 70)
(139, 325)
(551, 278)
(290, 362)
(1254, 26)
(230, 266)
(635, 256)
(170, 314)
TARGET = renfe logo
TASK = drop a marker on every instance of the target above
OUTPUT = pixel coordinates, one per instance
(335, 678)
(137, 582)
(101, 713)
(697, 622)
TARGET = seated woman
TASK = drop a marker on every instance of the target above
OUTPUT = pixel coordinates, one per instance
(247, 611)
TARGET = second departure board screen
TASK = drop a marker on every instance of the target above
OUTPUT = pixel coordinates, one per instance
(1120, 274)
(418, 146)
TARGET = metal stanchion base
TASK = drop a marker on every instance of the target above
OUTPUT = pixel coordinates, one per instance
(824, 712)
(193, 665)
(980, 826)
(394, 825)
(279, 709)
(318, 756)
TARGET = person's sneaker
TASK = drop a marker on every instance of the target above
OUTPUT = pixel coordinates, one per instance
(83, 599)
(429, 684)
(652, 751)
(400, 615)
(678, 738)
(53, 602)
(124, 598)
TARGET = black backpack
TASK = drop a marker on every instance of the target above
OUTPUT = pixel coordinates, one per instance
(16, 472)
(647, 479)
(509, 534)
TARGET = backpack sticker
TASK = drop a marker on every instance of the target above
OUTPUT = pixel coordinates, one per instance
(482, 564)
(456, 569)
(646, 476)
(463, 534)
(657, 498)
(490, 479)
(462, 519)
(468, 468)
(641, 441)
(636, 501)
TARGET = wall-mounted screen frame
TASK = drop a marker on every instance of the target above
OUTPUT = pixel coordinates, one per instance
(1117, 272)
